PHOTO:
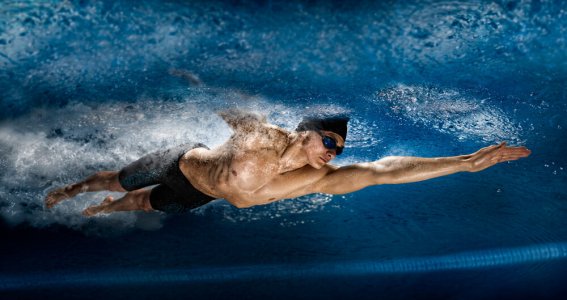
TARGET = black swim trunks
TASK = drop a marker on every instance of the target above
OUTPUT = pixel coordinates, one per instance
(174, 194)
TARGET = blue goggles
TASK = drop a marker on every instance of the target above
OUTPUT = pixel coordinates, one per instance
(331, 144)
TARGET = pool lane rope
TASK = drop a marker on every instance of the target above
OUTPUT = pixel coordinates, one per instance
(459, 261)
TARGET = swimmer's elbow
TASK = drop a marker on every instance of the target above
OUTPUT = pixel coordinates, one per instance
(382, 171)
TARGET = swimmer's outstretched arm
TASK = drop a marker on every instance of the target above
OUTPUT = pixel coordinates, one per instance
(400, 169)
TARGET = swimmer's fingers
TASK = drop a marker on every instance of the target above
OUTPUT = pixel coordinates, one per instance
(491, 155)
(503, 150)
(518, 151)
(511, 153)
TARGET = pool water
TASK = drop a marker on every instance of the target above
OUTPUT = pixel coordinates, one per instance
(93, 85)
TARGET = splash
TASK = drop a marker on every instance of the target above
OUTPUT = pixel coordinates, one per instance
(52, 147)
(448, 111)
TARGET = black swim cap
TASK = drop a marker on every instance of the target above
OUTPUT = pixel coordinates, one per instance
(336, 124)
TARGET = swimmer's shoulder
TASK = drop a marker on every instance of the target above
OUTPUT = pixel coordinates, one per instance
(242, 121)
(279, 137)
(252, 131)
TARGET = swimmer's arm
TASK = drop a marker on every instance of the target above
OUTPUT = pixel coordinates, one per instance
(400, 169)
(239, 119)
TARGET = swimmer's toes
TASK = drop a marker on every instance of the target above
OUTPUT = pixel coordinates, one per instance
(54, 197)
(48, 202)
(90, 211)
(108, 200)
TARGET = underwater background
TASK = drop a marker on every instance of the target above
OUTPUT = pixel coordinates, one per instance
(93, 85)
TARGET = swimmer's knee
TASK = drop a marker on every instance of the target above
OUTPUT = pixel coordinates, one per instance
(146, 203)
(113, 181)
(141, 199)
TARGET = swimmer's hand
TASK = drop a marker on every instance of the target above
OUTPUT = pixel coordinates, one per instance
(489, 156)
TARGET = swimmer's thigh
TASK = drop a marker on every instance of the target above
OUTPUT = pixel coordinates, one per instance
(166, 199)
(152, 168)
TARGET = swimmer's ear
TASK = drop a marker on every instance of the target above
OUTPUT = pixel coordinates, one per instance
(237, 118)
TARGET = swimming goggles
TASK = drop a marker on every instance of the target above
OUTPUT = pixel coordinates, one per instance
(331, 144)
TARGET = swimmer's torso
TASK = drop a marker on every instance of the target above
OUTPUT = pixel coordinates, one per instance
(246, 169)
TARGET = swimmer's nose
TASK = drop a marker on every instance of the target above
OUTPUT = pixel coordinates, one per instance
(331, 154)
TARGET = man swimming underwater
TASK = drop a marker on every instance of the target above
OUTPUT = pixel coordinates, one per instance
(263, 163)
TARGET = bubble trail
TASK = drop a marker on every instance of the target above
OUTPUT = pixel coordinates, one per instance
(459, 261)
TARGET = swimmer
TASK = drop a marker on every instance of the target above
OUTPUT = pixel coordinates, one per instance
(262, 163)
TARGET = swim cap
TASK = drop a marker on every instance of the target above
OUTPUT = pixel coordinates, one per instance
(336, 124)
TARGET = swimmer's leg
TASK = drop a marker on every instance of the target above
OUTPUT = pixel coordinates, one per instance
(135, 200)
(100, 181)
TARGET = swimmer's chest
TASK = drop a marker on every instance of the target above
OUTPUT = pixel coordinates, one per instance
(243, 167)
(248, 178)
(225, 172)
(253, 169)
(258, 180)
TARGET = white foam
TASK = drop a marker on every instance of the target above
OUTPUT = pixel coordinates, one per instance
(449, 111)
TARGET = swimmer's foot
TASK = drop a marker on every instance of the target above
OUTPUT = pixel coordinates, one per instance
(56, 196)
(95, 209)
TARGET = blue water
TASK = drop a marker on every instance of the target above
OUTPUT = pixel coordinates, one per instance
(93, 85)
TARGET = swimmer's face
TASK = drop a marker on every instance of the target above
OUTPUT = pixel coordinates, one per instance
(317, 154)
